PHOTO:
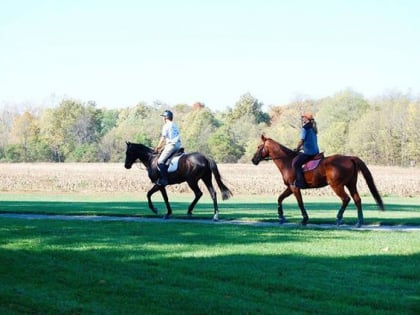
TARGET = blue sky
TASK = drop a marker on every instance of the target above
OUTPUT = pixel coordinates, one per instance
(119, 53)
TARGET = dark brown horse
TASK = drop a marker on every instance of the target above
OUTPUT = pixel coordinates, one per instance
(191, 168)
(338, 171)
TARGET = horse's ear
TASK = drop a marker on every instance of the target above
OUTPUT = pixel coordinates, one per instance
(263, 137)
(127, 142)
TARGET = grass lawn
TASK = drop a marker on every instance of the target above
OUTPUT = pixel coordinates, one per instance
(161, 267)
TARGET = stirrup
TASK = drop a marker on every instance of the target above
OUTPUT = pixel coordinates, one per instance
(300, 185)
(162, 182)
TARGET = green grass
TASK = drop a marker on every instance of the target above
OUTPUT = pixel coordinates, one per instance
(69, 267)
(161, 267)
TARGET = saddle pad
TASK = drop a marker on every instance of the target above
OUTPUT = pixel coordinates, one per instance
(173, 164)
(312, 164)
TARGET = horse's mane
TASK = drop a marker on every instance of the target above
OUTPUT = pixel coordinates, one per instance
(282, 147)
(142, 147)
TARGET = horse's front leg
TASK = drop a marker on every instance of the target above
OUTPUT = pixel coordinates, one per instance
(283, 196)
(154, 189)
(165, 198)
(298, 195)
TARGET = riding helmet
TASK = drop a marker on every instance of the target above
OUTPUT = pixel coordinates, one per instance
(308, 116)
(168, 114)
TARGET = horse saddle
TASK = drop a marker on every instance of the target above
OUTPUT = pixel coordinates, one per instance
(173, 160)
(313, 164)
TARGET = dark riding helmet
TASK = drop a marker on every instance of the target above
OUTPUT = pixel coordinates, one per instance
(168, 114)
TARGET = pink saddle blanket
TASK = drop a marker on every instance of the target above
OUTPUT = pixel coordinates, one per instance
(313, 164)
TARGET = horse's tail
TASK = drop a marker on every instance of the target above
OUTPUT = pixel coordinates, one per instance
(369, 180)
(226, 193)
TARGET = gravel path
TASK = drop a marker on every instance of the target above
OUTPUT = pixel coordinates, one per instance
(202, 221)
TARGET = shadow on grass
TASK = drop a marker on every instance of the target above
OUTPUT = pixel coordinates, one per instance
(120, 268)
(319, 212)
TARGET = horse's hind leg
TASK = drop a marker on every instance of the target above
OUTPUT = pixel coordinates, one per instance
(358, 202)
(197, 193)
(213, 196)
(345, 199)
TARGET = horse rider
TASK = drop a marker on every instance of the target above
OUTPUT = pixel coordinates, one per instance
(171, 141)
(309, 143)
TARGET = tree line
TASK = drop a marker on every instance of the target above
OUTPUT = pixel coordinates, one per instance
(381, 131)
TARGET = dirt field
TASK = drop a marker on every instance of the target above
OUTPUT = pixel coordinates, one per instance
(242, 179)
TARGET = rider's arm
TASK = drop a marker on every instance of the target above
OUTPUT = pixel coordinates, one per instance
(160, 144)
(302, 136)
(299, 145)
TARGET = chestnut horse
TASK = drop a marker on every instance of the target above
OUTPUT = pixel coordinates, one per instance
(191, 168)
(338, 171)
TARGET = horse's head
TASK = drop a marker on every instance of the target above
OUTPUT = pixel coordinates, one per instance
(130, 156)
(262, 152)
(138, 151)
(272, 149)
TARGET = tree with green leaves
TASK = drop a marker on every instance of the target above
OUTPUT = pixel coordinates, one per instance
(381, 131)
(223, 148)
(244, 122)
(363, 137)
(413, 132)
(25, 131)
(334, 117)
(196, 128)
(68, 126)
(7, 117)
(248, 106)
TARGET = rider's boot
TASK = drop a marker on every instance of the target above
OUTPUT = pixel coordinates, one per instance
(300, 179)
(163, 179)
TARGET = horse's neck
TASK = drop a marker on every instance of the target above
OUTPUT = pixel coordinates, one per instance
(283, 158)
(146, 156)
(282, 153)
(148, 161)
(153, 161)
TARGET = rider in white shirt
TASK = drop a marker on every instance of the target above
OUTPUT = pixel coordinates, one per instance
(172, 141)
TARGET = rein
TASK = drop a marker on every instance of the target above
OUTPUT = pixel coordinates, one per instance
(268, 158)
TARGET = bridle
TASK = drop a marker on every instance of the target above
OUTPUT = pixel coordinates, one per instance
(261, 152)
(268, 157)
(137, 161)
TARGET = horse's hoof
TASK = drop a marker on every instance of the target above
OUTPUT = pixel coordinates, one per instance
(167, 217)
(282, 220)
(154, 210)
(339, 222)
(304, 221)
(359, 224)
(215, 218)
(189, 215)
